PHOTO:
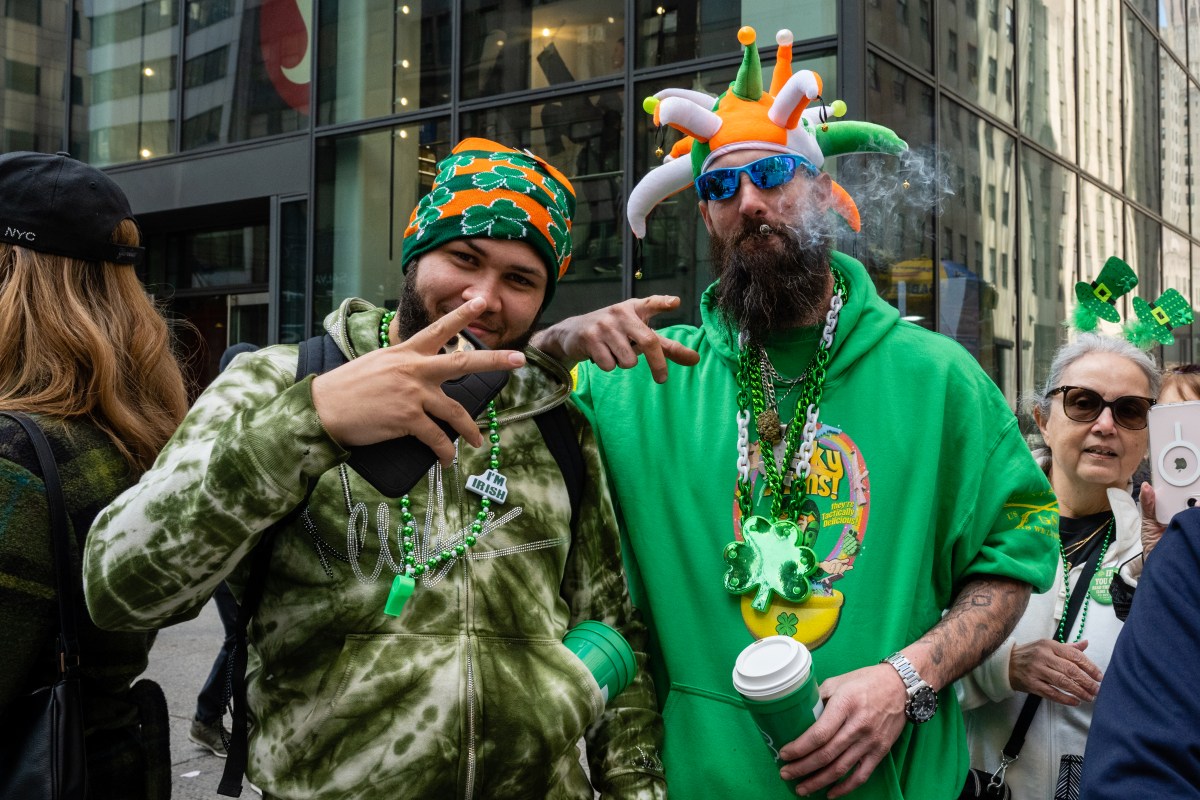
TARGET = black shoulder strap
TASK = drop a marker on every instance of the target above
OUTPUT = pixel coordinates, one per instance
(317, 355)
(1012, 748)
(59, 537)
(563, 443)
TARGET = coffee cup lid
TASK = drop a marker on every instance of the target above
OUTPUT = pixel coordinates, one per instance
(771, 664)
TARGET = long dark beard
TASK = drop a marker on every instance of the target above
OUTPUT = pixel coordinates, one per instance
(761, 289)
(412, 315)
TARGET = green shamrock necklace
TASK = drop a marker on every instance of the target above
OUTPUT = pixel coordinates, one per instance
(405, 582)
(775, 555)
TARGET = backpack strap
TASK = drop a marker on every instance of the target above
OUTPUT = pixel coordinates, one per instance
(563, 443)
(317, 355)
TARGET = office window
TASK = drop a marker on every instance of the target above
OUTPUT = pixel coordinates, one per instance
(991, 78)
(24, 11)
(952, 51)
(683, 30)
(972, 63)
(206, 68)
(994, 14)
(379, 57)
(23, 78)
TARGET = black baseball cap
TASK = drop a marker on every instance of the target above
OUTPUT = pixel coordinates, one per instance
(55, 204)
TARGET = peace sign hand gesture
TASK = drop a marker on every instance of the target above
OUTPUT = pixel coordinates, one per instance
(396, 391)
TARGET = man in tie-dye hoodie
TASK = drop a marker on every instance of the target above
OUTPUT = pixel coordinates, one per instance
(469, 692)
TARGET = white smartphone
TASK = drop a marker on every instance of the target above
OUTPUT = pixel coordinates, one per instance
(1175, 457)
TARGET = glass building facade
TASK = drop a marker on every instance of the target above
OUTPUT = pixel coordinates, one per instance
(273, 149)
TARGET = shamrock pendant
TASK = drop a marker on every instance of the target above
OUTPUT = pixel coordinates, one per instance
(768, 426)
(771, 558)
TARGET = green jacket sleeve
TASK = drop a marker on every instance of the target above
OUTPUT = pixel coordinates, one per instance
(242, 459)
(624, 744)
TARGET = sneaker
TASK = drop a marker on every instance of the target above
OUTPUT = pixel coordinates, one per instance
(209, 737)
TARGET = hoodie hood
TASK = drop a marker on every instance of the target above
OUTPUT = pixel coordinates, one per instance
(868, 315)
(537, 387)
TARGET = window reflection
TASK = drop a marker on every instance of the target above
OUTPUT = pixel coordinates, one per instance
(1143, 159)
(980, 45)
(896, 241)
(1172, 26)
(1193, 36)
(1176, 268)
(512, 46)
(980, 308)
(1101, 231)
(367, 186)
(31, 98)
(902, 26)
(247, 75)
(1143, 251)
(1193, 161)
(1174, 137)
(1047, 260)
(1099, 75)
(580, 135)
(380, 57)
(125, 67)
(1047, 46)
(681, 30)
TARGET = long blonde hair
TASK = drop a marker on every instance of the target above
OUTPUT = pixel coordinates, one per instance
(82, 340)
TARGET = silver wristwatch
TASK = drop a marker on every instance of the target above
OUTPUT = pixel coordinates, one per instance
(922, 700)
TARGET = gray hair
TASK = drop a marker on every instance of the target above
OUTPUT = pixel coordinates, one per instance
(1085, 345)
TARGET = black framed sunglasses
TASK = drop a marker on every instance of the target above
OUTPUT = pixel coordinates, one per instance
(765, 173)
(1085, 405)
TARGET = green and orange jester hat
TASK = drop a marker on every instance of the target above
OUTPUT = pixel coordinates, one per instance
(484, 189)
(749, 116)
(1154, 319)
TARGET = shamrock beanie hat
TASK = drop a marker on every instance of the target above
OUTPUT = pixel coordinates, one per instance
(486, 190)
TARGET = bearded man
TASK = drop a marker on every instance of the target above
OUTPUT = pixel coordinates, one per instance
(357, 690)
(895, 526)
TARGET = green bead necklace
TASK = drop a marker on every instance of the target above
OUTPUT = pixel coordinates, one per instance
(405, 582)
(1083, 612)
(775, 555)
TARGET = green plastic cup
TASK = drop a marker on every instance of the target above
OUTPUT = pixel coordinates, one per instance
(774, 677)
(605, 653)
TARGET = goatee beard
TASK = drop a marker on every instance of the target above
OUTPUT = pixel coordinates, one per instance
(412, 315)
(762, 288)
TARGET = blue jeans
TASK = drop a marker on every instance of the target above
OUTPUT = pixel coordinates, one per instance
(210, 703)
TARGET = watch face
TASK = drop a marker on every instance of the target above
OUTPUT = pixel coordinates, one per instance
(922, 705)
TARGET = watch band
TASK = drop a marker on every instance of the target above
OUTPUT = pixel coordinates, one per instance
(908, 673)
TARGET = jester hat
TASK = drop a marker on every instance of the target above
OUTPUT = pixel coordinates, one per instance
(748, 117)
(486, 190)
(1156, 319)
(1099, 298)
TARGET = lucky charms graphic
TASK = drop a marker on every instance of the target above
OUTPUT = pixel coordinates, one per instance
(823, 543)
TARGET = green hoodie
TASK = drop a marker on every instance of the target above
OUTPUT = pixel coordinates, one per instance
(921, 478)
(470, 692)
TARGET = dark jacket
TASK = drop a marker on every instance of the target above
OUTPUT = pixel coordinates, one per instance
(92, 472)
(1144, 741)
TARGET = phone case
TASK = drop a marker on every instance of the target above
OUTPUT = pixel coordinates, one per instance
(394, 467)
(1175, 457)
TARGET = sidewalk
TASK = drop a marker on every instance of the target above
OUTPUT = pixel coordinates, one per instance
(180, 661)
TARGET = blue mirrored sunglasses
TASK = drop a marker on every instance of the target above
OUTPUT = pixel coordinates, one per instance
(765, 173)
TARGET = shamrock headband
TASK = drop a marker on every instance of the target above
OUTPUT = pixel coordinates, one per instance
(745, 116)
(486, 190)
(1155, 319)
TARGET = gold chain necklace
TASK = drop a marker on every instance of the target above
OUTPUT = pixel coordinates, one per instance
(1069, 552)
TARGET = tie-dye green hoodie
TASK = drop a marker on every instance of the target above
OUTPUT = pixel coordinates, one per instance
(470, 692)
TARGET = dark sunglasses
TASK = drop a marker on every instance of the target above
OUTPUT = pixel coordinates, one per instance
(765, 173)
(1085, 405)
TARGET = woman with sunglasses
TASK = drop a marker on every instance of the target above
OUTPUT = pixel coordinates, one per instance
(1092, 416)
